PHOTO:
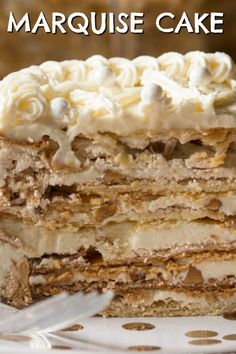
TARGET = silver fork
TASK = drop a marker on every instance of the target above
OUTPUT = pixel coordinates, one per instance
(55, 313)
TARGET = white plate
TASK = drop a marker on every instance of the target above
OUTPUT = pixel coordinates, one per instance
(109, 336)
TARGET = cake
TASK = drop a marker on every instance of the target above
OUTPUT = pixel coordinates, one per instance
(121, 174)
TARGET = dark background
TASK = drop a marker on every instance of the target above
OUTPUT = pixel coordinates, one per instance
(21, 49)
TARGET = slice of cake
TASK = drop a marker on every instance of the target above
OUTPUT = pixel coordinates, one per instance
(121, 175)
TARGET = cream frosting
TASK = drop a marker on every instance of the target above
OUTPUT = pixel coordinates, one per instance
(123, 238)
(145, 95)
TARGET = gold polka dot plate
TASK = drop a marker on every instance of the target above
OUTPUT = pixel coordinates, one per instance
(178, 335)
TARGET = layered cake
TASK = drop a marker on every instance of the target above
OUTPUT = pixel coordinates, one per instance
(119, 174)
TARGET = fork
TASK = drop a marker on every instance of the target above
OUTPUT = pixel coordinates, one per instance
(55, 313)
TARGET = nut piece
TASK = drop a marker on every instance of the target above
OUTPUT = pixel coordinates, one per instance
(214, 205)
(136, 276)
(105, 211)
(113, 176)
(194, 276)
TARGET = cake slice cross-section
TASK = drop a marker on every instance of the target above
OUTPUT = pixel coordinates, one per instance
(121, 174)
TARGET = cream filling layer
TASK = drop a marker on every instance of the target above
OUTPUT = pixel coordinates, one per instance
(168, 235)
(217, 269)
(186, 205)
(118, 239)
(164, 295)
(210, 270)
(226, 202)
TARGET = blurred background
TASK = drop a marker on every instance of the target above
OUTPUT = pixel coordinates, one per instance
(23, 49)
